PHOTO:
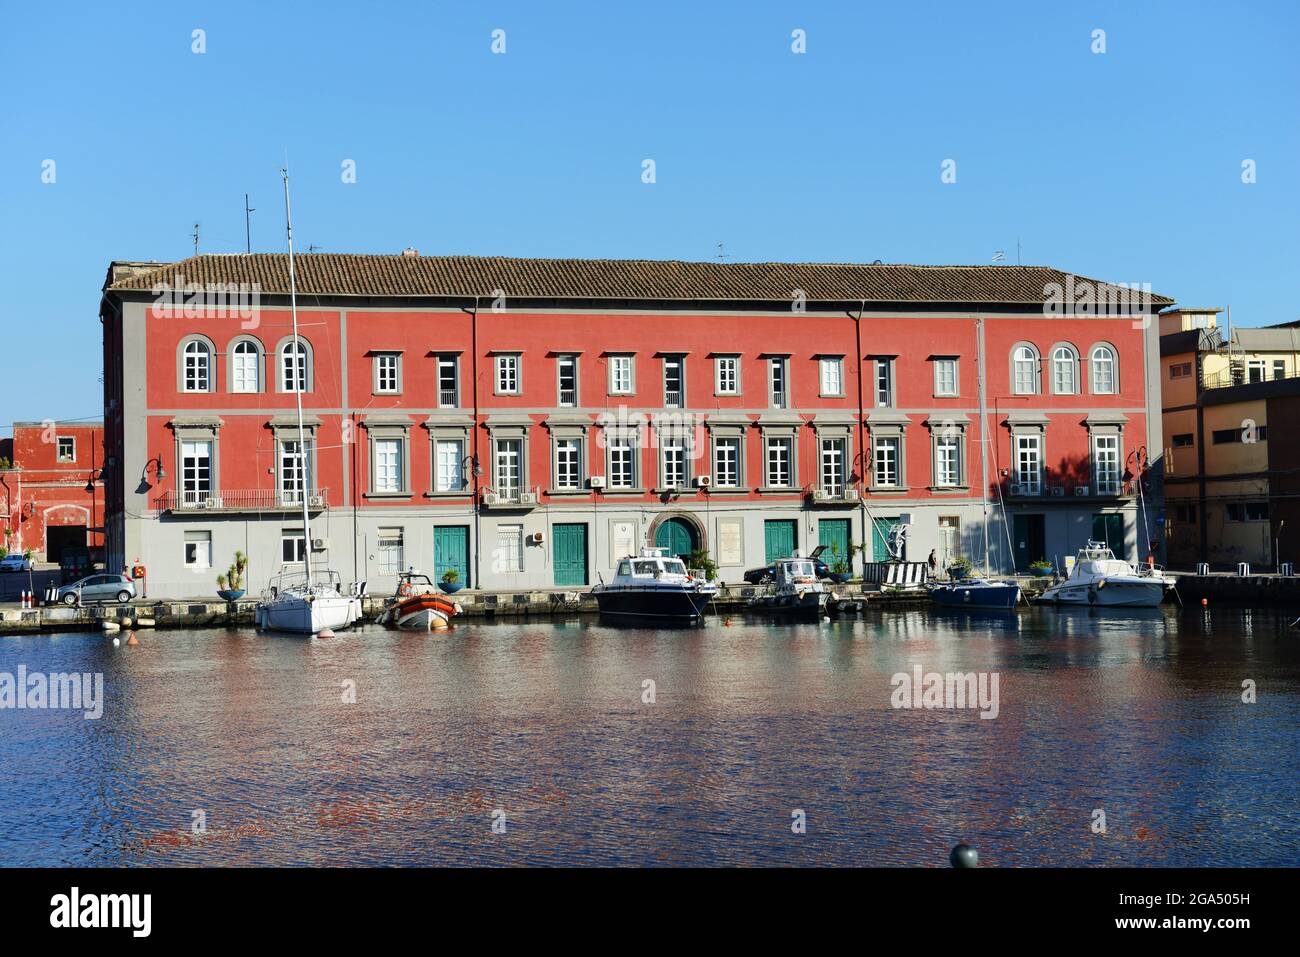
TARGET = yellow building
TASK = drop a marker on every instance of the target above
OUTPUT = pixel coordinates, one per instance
(1217, 383)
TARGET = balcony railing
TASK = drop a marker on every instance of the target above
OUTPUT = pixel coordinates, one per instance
(1242, 376)
(447, 399)
(568, 397)
(241, 500)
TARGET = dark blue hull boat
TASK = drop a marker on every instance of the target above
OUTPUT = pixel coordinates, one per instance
(975, 593)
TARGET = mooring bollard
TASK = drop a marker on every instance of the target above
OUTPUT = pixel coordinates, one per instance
(1287, 569)
(963, 855)
(1202, 568)
(1243, 569)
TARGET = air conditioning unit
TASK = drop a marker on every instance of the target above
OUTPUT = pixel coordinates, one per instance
(1081, 490)
(1058, 491)
(703, 481)
(851, 495)
(819, 495)
(905, 518)
(320, 544)
(537, 538)
(489, 498)
(596, 481)
(528, 498)
(315, 501)
(1017, 488)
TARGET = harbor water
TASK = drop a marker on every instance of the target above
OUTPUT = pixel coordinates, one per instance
(1118, 739)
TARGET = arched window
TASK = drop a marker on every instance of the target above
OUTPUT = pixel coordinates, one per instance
(196, 366)
(1024, 369)
(1065, 370)
(245, 367)
(1101, 364)
(295, 371)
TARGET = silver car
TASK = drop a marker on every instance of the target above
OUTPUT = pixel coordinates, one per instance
(15, 563)
(98, 588)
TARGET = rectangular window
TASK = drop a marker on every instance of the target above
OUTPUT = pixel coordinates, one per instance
(947, 461)
(1228, 436)
(1247, 511)
(1185, 514)
(448, 382)
(1184, 440)
(832, 375)
(833, 457)
(507, 374)
(198, 549)
(1180, 370)
(673, 454)
(674, 382)
(568, 464)
(777, 381)
(449, 458)
(620, 375)
(388, 465)
(1279, 368)
(293, 545)
(295, 469)
(1029, 463)
(391, 551)
(886, 462)
(508, 465)
(885, 383)
(1255, 370)
(567, 372)
(1105, 463)
(945, 377)
(622, 462)
(510, 548)
(67, 448)
(196, 472)
(726, 463)
(727, 370)
(780, 463)
(386, 373)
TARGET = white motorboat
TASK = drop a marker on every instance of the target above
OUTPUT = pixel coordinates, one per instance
(1100, 579)
(293, 603)
(655, 589)
(797, 592)
(418, 605)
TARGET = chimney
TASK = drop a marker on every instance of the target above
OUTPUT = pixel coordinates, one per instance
(410, 251)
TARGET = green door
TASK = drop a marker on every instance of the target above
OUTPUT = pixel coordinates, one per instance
(880, 529)
(569, 553)
(1029, 536)
(778, 540)
(451, 551)
(834, 534)
(677, 537)
(1109, 529)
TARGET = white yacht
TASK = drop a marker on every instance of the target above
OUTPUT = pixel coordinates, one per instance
(1099, 578)
(654, 588)
(797, 591)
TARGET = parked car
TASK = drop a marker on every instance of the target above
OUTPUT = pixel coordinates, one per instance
(761, 576)
(75, 563)
(15, 563)
(97, 588)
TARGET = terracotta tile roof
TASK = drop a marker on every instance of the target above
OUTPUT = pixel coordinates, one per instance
(345, 274)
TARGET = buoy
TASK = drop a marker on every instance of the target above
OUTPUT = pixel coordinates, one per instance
(1205, 602)
(144, 622)
(110, 626)
(132, 641)
(963, 855)
(324, 633)
(117, 642)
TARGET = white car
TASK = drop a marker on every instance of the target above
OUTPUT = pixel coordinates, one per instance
(15, 563)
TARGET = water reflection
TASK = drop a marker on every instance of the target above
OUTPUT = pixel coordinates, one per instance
(1140, 716)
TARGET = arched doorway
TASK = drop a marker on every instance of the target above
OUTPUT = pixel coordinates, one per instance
(678, 536)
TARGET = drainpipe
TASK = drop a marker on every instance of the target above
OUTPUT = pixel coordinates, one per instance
(474, 460)
(862, 449)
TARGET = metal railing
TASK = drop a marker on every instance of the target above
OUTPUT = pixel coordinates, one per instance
(1241, 376)
(447, 399)
(240, 500)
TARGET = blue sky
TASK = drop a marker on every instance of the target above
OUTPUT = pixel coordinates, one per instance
(1124, 165)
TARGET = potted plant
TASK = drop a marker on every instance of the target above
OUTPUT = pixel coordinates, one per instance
(230, 586)
(451, 582)
(959, 568)
(841, 566)
(1041, 568)
(699, 560)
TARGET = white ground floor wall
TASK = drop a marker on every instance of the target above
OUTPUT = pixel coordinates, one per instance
(518, 549)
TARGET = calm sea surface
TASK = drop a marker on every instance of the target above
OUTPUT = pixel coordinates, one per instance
(1139, 717)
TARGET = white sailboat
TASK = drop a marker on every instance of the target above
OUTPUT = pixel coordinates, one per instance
(305, 601)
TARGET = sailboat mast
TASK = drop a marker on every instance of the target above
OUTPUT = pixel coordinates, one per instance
(298, 385)
(984, 445)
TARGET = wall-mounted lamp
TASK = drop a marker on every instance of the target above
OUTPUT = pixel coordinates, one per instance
(160, 473)
(90, 482)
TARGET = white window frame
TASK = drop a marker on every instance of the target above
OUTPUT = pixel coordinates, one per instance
(567, 469)
(886, 396)
(1028, 448)
(197, 481)
(726, 375)
(509, 557)
(196, 366)
(885, 467)
(392, 558)
(567, 361)
(58, 455)
(202, 556)
(1065, 370)
(678, 363)
(617, 446)
(622, 374)
(830, 373)
(833, 455)
(455, 480)
(243, 353)
(731, 476)
(295, 366)
(443, 362)
(384, 448)
(1107, 463)
(1025, 376)
(1110, 363)
(778, 382)
(941, 390)
(776, 462)
(508, 373)
(388, 373)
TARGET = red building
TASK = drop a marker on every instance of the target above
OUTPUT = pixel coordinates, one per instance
(529, 422)
(51, 493)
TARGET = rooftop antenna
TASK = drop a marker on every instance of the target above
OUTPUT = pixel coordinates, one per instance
(248, 235)
(312, 248)
(196, 239)
(998, 256)
(1017, 250)
(722, 253)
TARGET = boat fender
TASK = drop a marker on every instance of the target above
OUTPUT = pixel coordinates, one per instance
(1101, 584)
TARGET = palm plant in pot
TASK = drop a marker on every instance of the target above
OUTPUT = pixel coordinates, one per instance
(960, 568)
(1041, 568)
(451, 582)
(230, 586)
(841, 566)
